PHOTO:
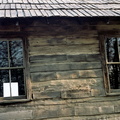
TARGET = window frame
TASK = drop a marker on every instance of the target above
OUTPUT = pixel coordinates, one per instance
(27, 81)
(103, 53)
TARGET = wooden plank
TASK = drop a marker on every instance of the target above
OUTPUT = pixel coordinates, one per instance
(55, 6)
(13, 6)
(66, 84)
(79, 49)
(84, 12)
(1, 1)
(38, 12)
(74, 6)
(7, 6)
(67, 13)
(7, 13)
(49, 12)
(20, 13)
(40, 1)
(64, 66)
(23, 6)
(97, 12)
(18, 6)
(48, 6)
(81, 6)
(28, 6)
(24, 1)
(79, 13)
(13, 13)
(53, 1)
(61, 13)
(4, 1)
(109, 12)
(27, 13)
(117, 12)
(90, 12)
(2, 13)
(35, 1)
(69, 40)
(101, 13)
(55, 13)
(73, 13)
(30, 1)
(41, 7)
(2, 6)
(109, 27)
(18, 1)
(34, 6)
(43, 59)
(32, 12)
(44, 13)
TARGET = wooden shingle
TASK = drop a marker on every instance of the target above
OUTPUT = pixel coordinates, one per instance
(68, 8)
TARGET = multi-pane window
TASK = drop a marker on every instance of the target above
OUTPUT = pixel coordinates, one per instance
(112, 50)
(12, 80)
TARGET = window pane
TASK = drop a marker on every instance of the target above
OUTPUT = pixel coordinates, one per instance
(4, 78)
(16, 53)
(112, 50)
(119, 47)
(114, 76)
(17, 75)
(3, 54)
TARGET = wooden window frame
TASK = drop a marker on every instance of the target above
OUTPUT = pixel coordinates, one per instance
(108, 89)
(28, 95)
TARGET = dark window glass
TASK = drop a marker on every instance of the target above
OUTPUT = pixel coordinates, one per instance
(114, 76)
(112, 50)
(4, 78)
(3, 54)
(18, 76)
(16, 53)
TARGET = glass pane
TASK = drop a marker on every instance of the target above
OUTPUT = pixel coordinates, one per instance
(119, 47)
(17, 75)
(3, 54)
(4, 78)
(114, 76)
(16, 53)
(112, 50)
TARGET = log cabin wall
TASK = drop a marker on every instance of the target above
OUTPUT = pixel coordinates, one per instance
(67, 81)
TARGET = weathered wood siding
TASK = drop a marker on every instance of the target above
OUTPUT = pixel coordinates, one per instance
(66, 71)
(65, 61)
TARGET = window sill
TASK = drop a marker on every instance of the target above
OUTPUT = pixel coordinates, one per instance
(114, 92)
(12, 100)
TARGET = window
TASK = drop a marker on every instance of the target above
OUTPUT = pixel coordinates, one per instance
(112, 63)
(12, 69)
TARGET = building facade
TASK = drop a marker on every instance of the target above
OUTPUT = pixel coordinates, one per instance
(59, 67)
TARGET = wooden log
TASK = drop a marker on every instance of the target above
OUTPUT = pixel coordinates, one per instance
(64, 66)
(78, 49)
